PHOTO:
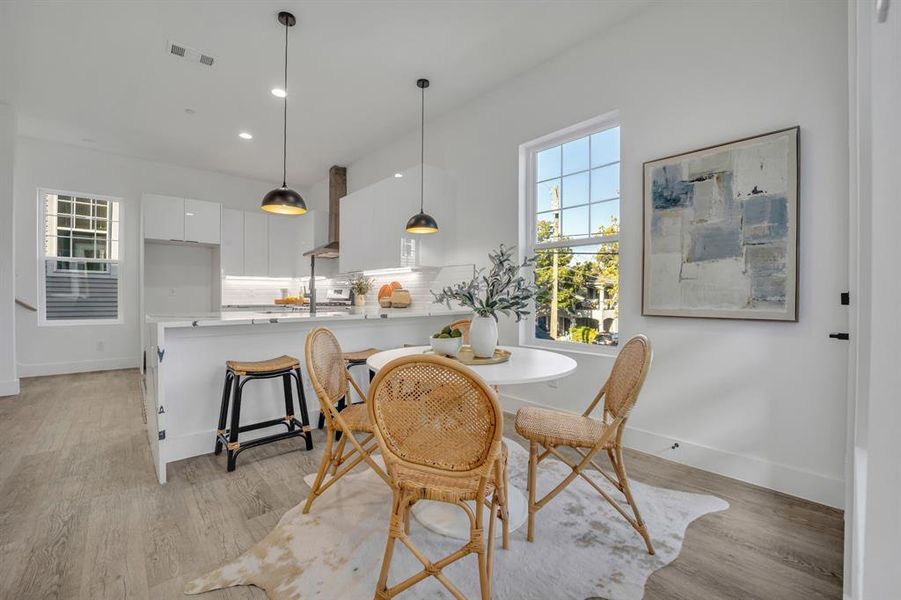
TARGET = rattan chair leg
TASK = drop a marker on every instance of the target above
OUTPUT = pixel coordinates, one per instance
(493, 515)
(533, 467)
(339, 453)
(620, 468)
(323, 469)
(407, 514)
(381, 588)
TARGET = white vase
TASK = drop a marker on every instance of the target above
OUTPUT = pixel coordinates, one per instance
(359, 300)
(483, 336)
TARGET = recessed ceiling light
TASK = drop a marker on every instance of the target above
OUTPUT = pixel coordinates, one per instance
(88, 140)
(398, 175)
(279, 93)
(245, 136)
(190, 111)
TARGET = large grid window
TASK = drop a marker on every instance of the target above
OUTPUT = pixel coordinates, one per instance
(573, 202)
(80, 249)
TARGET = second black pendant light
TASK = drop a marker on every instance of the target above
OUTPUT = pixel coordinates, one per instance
(422, 222)
(283, 200)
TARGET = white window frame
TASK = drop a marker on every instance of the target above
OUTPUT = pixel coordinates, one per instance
(42, 259)
(528, 222)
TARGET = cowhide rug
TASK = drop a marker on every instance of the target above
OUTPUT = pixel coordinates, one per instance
(583, 548)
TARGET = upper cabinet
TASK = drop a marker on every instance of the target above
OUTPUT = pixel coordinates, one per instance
(257, 244)
(356, 231)
(167, 218)
(373, 222)
(232, 248)
(202, 221)
(164, 217)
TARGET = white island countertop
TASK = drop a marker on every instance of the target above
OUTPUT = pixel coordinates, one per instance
(280, 316)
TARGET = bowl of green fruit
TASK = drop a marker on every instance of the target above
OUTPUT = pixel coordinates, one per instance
(447, 342)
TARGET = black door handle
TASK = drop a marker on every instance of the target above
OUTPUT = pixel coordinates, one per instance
(840, 336)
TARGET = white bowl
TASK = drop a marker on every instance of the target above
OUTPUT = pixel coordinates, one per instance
(446, 346)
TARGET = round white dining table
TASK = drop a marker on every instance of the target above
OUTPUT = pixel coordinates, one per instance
(526, 365)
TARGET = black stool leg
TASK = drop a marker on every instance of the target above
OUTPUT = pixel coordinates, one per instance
(233, 445)
(304, 415)
(289, 402)
(223, 412)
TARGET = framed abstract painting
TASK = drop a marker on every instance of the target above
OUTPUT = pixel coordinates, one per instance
(721, 231)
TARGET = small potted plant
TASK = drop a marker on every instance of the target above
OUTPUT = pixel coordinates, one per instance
(360, 286)
(502, 289)
(447, 342)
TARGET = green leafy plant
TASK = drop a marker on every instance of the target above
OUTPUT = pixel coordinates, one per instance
(360, 284)
(583, 334)
(502, 289)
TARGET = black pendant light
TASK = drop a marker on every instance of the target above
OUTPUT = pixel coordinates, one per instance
(284, 201)
(421, 222)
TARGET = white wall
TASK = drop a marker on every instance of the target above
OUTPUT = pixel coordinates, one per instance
(872, 552)
(9, 382)
(764, 402)
(180, 279)
(62, 349)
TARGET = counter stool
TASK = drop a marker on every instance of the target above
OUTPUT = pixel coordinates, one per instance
(351, 359)
(237, 374)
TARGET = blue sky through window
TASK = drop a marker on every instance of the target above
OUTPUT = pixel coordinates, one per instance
(582, 177)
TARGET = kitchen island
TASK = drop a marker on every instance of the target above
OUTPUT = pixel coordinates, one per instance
(185, 366)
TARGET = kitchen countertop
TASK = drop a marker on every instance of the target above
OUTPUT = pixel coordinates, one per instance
(267, 317)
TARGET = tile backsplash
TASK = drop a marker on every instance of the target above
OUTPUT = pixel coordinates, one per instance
(418, 283)
(259, 291)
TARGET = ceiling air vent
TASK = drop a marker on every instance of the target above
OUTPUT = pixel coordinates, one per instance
(189, 54)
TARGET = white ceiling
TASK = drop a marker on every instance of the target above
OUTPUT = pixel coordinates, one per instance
(97, 74)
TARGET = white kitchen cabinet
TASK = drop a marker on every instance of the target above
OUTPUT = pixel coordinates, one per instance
(202, 221)
(172, 219)
(373, 221)
(256, 244)
(284, 244)
(164, 217)
(232, 248)
(356, 231)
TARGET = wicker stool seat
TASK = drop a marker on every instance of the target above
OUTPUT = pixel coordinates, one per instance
(260, 367)
(359, 357)
(237, 375)
(553, 428)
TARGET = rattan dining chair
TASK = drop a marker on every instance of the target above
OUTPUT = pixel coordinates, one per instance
(439, 427)
(463, 325)
(588, 436)
(329, 376)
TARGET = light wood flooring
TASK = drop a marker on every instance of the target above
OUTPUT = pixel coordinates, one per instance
(82, 515)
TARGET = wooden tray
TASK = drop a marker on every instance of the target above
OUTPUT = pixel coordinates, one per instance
(466, 357)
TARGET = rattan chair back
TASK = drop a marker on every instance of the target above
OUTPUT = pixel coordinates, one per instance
(325, 365)
(627, 377)
(430, 411)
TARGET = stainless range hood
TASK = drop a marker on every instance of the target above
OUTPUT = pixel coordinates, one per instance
(337, 189)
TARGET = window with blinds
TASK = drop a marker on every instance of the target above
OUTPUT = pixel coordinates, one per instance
(81, 279)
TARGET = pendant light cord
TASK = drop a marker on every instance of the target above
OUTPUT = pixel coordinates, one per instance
(422, 153)
(285, 117)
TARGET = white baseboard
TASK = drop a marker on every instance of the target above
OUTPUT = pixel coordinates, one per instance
(782, 478)
(9, 388)
(81, 366)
